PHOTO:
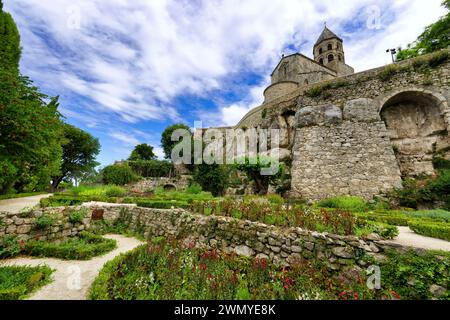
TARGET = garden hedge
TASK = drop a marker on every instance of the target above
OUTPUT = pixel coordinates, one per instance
(440, 230)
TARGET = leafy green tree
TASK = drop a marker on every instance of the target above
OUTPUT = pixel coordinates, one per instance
(80, 150)
(262, 170)
(30, 126)
(212, 178)
(166, 140)
(434, 38)
(142, 152)
(10, 50)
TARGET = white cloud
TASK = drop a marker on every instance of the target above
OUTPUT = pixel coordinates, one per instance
(127, 139)
(132, 58)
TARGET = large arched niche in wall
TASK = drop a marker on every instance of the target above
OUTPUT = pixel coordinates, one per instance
(417, 128)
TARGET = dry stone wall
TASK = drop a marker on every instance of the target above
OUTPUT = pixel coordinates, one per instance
(279, 245)
(341, 153)
(25, 225)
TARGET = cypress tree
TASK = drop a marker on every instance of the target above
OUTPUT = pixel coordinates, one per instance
(10, 50)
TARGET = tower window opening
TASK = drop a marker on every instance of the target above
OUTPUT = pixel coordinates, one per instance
(320, 50)
(330, 58)
(321, 61)
(330, 46)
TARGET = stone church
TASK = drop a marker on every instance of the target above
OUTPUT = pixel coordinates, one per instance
(346, 133)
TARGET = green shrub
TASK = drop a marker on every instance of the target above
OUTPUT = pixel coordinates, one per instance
(194, 188)
(83, 247)
(152, 168)
(9, 246)
(315, 92)
(115, 191)
(438, 58)
(45, 221)
(163, 204)
(354, 204)
(77, 216)
(388, 72)
(275, 199)
(413, 273)
(440, 230)
(18, 283)
(435, 215)
(118, 175)
(428, 191)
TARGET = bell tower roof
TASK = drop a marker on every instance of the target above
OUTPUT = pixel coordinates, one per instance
(327, 34)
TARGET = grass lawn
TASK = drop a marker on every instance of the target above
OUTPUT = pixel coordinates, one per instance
(17, 283)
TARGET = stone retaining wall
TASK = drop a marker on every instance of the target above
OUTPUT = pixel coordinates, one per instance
(24, 225)
(280, 245)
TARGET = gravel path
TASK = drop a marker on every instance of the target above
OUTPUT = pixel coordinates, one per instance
(410, 239)
(72, 279)
(18, 204)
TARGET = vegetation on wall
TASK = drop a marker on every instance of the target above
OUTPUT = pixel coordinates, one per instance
(152, 168)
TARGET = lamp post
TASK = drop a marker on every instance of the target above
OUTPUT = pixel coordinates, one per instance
(393, 52)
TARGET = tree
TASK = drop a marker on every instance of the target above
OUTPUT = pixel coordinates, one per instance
(434, 38)
(10, 50)
(142, 152)
(166, 140)
(253, 167)
(212, 178)
(30, 126)
(79, 152)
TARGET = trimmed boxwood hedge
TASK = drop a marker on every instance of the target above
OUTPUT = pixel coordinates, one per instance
(163, 204)
(84, 247)
(440, 230)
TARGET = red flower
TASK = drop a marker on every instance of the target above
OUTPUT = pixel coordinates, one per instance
(22, 244)
(203, 266)
(396, 295)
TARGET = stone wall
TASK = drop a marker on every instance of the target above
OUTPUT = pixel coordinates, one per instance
(151, 184)
(24, 225)
(341, 153)
(280, 245)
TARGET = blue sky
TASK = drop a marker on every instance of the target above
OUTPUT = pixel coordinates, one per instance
(125, 70)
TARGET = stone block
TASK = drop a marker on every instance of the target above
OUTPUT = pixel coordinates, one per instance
(362, 110)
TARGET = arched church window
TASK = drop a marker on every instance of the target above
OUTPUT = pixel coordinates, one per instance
(320, 50)
(340, 57)
(330, 46)
(330, 58)
(338, 46)
(321, 61)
